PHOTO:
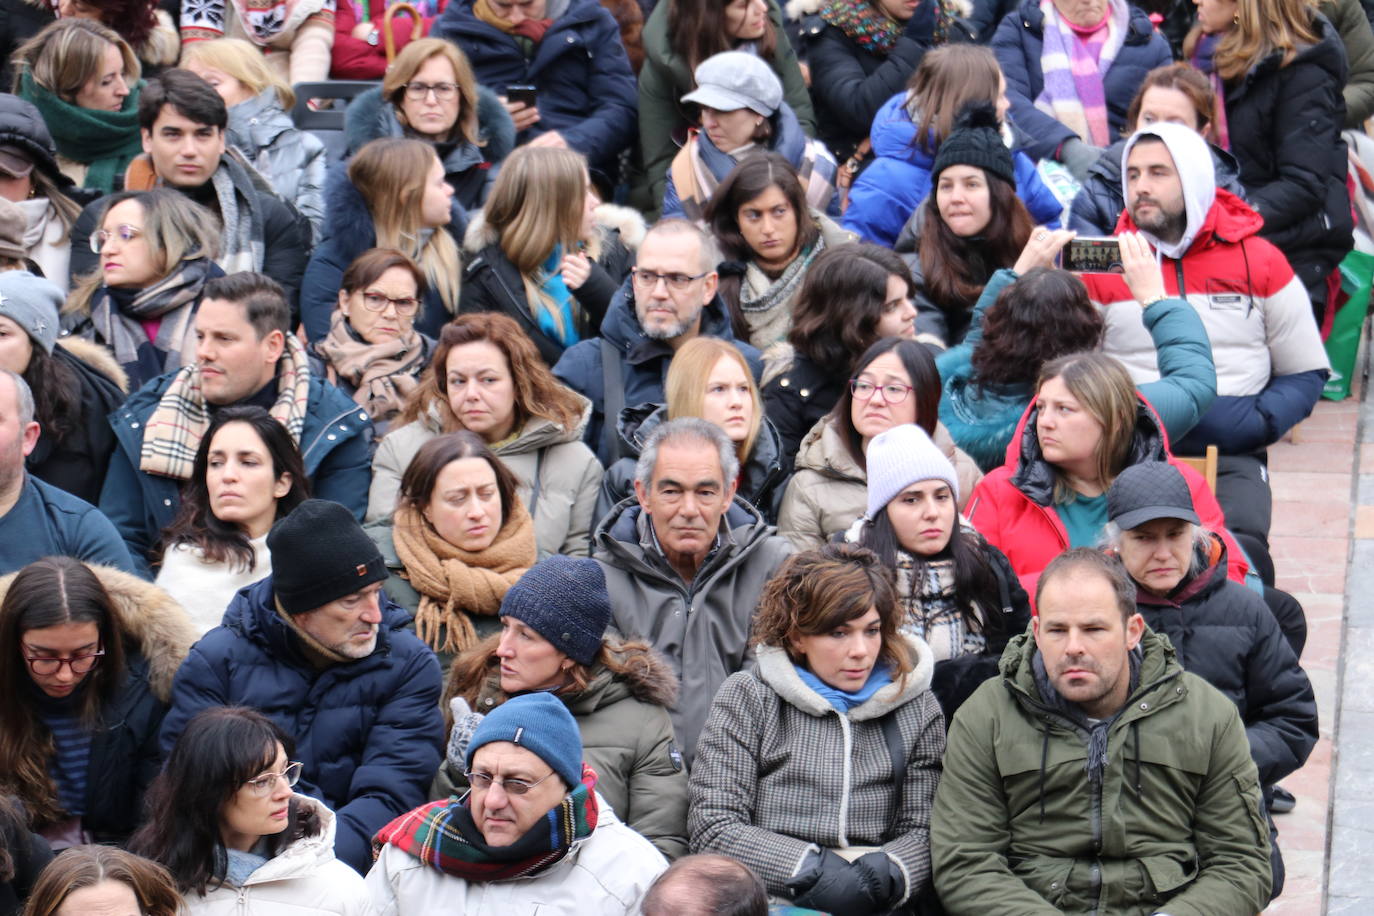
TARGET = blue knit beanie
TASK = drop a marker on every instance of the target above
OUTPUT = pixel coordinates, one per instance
(564, 600)
(542, 725)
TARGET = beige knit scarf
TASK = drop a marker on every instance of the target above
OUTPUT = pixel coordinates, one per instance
(454, 583)
(382, 375)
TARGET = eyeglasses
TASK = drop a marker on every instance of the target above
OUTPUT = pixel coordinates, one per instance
(444, 92)
(481, 782)
(125, 233)
(893, 393)
(376, 302)
(647, 280)
(80, 664)
(264, 784)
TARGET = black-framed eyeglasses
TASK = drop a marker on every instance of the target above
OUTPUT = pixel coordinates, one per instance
(481, 782)
(444, 92)
(647, 280)
(893, 392)
(264, 784)
(376, 302)
(124, 233)
(46, 667)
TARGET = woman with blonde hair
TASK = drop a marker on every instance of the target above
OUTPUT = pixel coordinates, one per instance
(486, 377)
(84, 80)
(539, 253)
(1277, 68)
(258, 100)
(148, 29)
(157, 251)
(391, 195)
(708, 378)
(430, 94)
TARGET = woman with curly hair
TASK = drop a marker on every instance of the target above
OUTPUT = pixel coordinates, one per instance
(1033, 314)
(837, 715)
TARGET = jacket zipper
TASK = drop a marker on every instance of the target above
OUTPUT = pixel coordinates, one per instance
(243, 900)
(846, 777)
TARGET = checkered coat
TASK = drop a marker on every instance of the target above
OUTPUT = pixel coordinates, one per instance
(779, 771)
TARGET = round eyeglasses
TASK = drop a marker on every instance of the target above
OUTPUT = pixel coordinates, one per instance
(47, 666)
(405, 305)
(125, 234)
(893, 392)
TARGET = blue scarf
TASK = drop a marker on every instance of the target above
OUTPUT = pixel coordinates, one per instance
(553, 286)
(842, 700)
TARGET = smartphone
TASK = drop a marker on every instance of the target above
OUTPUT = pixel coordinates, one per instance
(521, 93)
(1089, 254)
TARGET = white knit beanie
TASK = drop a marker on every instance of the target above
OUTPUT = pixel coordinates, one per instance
(900, 457)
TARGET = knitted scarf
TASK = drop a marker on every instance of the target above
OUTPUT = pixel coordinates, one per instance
(444, 836)
(1073, 93)
(930, 609)
(1203, 58)
(453, 582)
(383, 374)
(173, 299)
(532, 30)
(263, 20)
(241, 216)
(178, 423)
(556, 297)
(104, 140)
(845, 700)
(767, 303)
(864, 25)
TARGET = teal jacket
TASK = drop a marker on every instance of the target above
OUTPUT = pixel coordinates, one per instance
(982, 420)
(1172, 823)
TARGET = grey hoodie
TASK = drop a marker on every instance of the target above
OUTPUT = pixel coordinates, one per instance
(1193, 160)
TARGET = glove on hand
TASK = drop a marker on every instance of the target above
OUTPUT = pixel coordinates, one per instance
(883, 876)
(1078, 157)
(465, 722)
(828, 883)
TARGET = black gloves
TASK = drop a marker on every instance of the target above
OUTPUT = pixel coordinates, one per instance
(871, 884)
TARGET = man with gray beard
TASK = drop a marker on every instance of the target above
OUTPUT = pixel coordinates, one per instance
(669, 298)
(319, 647)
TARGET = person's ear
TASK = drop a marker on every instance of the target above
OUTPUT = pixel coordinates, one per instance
(282, 486)
(31, 434)
(709, 284)
(642, 495)
(275, 344)
(1135, 629)
(343, 302)
(147, 136)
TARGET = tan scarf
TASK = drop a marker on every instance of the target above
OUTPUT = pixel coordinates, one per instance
(382, 375)
(453, 582)
(173, 432)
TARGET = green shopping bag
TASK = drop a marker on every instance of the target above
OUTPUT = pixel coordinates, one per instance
(1357, 277)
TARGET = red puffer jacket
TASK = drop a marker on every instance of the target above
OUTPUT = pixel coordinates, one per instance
(1012, 507)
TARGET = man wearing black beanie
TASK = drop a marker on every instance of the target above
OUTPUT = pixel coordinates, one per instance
(321, 649)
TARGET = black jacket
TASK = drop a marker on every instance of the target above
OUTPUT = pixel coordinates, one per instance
(30, 853)
(20, 20)
(1285, 131)
(21, 125)
(124, 756)
(1099, 202)
(796, 400)
(78, 463)
(1225, 633)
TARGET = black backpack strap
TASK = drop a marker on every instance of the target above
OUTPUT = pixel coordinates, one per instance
(612, 401)
(893, 736)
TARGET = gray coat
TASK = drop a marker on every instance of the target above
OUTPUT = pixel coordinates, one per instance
(292, 160)
(701, 628)
(779, 770)
(568, 474)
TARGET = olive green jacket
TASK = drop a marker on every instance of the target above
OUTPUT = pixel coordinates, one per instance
(666, 78)
(1349, 19)
(1174, 824)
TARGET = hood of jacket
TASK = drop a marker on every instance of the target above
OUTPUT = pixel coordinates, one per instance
(369, 117)
(253, 614)
(1229, 221)
(776, 669)
(1108, 167)
(1194, 165)
(648, 678)
(1209, 561)
(621, 325)
(1035, 477)
(310, 850)
(150, 618)
(257, 122)
(539, 432)
(96, 358)
(610, 218)
(21, 125)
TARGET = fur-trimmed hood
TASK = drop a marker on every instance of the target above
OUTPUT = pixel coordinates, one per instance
(623, 222)
(776, 670)
(161, 630)
(369, 117)
(98, 358)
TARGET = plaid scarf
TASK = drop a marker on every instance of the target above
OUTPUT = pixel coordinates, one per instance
(382, 374)
(172, 299)
(444, 836)
(1073, 93)
(172, 435)
(930, 606)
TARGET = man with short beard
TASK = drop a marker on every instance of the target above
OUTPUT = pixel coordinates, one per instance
(319, 647)
(1095, 774)
(1269, 358)
(668, 299)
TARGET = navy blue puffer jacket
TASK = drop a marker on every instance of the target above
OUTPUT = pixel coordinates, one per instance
(368, 732)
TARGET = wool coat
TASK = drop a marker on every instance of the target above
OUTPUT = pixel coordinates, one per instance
(1173, 824)
(367, 731)
(779, 770)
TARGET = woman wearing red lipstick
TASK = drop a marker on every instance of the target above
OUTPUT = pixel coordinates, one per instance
(837, 716)
(87, 656)
(233, 834)
(247, 474)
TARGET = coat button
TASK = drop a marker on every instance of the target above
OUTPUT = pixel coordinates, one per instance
(784, 382)
(805, 392)
(166, 502)
(362, 416)
(488, 701)
(1144, 706)
(571, 40)
(331, 437)
(134, 425)
(567, 636)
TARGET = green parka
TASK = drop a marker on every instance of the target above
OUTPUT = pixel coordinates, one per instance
(1174, 824)
(666, 78)
(627, 738)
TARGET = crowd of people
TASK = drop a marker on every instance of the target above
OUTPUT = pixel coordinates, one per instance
(654, 458)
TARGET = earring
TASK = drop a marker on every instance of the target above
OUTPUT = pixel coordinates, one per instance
(1235, 20)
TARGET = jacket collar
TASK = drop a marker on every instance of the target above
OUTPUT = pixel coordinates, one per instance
(252, 613)
(776, 670)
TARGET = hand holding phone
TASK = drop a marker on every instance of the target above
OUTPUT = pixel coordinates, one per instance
(521, 103)
(1141, 268)
(1041, 248)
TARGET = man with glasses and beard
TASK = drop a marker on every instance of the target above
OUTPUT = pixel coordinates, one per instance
(669, 299)
(320, 649)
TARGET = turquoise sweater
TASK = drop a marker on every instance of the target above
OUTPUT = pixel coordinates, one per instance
(982, 421)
